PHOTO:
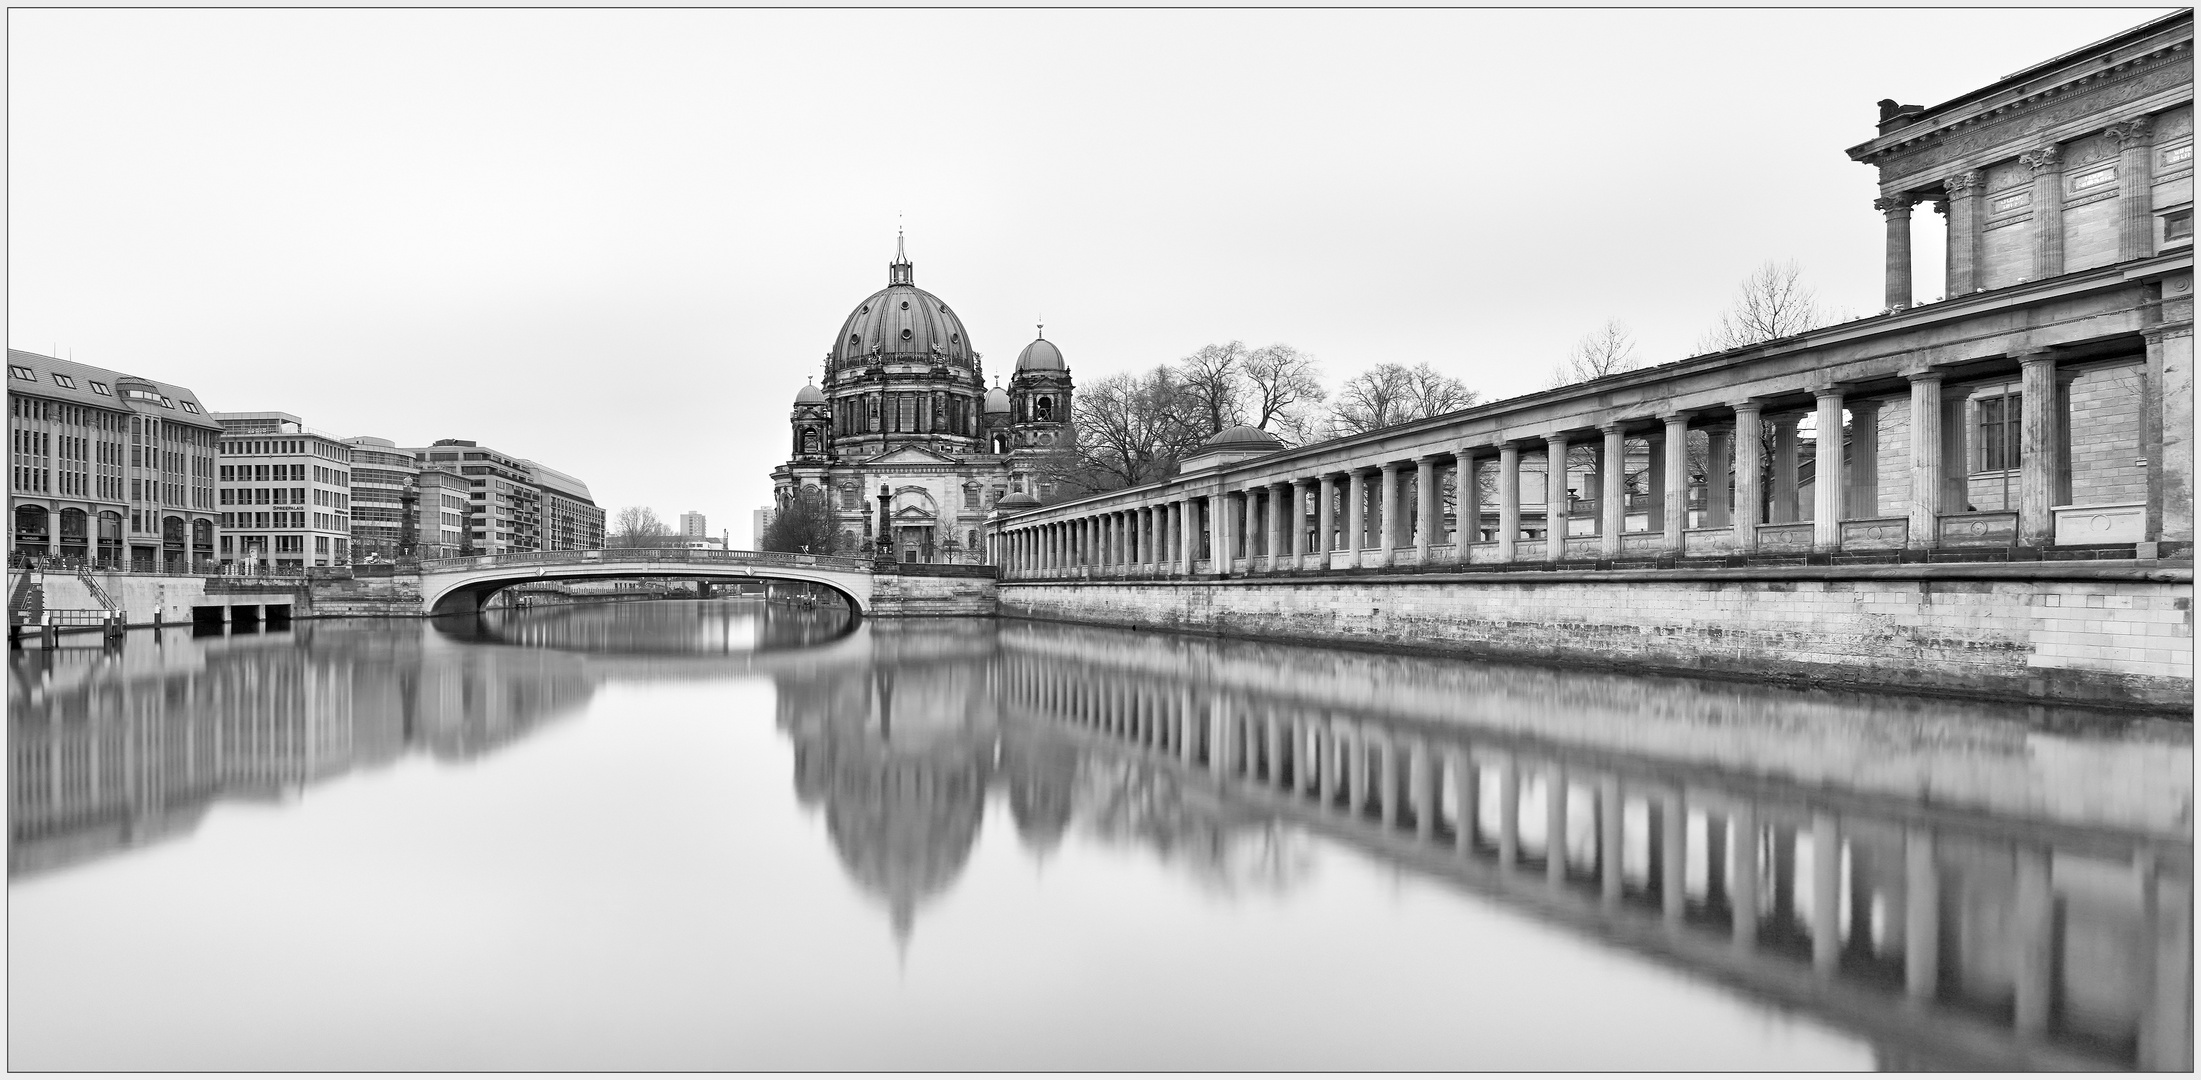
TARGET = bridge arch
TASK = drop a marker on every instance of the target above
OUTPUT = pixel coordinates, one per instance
(459, 586)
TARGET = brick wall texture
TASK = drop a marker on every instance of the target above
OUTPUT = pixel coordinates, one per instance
(2107, 642)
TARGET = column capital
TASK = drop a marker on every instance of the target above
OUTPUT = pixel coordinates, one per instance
(2131, 133)
(1895, 205)
(1678, 416)
(1965, 184)
(1834, 389)
(1610, 427)
(1923, 373)
(2044, 159)
(1941, 206)
(2034, 356)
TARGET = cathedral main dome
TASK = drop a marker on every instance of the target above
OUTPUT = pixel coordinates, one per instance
(901, 323)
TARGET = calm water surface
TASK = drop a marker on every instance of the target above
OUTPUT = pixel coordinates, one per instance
(719, 835)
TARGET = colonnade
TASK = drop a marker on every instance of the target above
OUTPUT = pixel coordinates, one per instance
(1847, 895)
(1715, 496)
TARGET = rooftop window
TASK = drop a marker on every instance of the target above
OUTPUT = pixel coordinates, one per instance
(165, 403)
(189, 407)
(100, 388)
(21, 372)
(64, 381)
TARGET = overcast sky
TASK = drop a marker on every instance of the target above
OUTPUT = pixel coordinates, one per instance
(617, 241)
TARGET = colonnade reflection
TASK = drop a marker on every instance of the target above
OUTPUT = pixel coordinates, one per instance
(1952, 938)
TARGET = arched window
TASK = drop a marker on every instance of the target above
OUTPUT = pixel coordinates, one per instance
(810, 440)
(1046, 409)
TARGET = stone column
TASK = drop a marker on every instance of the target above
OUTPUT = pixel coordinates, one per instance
(1924, 458)
(2047, 166)
(1826, 476)
(1612, 495)
(1188, 534)
(1509, 500)
(1898, 211)
(2136, 207)
(1864, 459)
(2041, 430)
(1467, 504)
(1749, 464)
(2170, 428)
(1280, 546)
(1786, 497)
(1325, 513)
(1427, 514)
(1677, 480)
(1387, 527)
(1106, 553)
(1964, 234)
(1719, 455)
(1232, 531)
(1356, 519)
(1555, 497)
(1654, 482)
(2135, 189)
(1218, 535)
(1296, 521)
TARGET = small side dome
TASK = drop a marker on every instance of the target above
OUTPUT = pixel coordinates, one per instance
(1016, 500)
(1244, 437)
(1041, 355)
(997, 402)
(809, 395)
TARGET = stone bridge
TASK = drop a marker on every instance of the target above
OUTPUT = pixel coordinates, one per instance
(456, 586)
(452, 586)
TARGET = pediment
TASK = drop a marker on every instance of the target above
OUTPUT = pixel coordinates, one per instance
(913, 514)
(910, 455)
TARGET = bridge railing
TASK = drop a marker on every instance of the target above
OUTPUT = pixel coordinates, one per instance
(629, 556)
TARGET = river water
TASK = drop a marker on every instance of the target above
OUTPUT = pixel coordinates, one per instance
(721, 835)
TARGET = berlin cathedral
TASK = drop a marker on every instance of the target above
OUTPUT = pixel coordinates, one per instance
(904, 438)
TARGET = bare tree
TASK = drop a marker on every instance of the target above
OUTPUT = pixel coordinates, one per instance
(804, 524)
(1283, 387)
(1213, 381)
(1132, 430)
(1388, 394)
(1772, 303)
(1607, 350)
(637, 526)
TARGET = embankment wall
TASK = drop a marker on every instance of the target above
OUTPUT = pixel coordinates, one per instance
(2115, 634)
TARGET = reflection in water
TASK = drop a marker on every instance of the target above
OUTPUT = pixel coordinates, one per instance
(1962, 886)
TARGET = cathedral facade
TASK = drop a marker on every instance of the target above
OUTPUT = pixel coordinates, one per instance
(904, 441)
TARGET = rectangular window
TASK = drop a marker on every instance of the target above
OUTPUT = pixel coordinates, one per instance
(63, 380)
(23, 373)
(189, 407)
(2001, 432)
(2178, 225)
(100, 388)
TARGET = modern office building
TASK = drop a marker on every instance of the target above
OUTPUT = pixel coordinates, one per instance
(691, 525)
(515, 504)
(445, 502)
(571, 519)
(759, 522)
(108, 469)
(386, 511)
(285, 492)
